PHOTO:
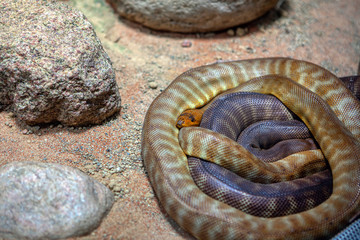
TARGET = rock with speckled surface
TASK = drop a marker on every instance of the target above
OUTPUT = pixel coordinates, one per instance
(53, 67)
(49, 201)
(191, 16)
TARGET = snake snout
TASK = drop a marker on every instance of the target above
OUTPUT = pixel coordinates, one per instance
(189, 118)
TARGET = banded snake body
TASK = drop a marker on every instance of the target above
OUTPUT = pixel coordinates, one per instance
(263, 126)
(318, 97)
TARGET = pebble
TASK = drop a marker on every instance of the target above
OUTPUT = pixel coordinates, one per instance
(241, 32)
(230, 32)
(153, 85)
(186, 43)
(250, 50)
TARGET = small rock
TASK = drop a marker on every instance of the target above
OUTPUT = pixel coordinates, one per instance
(230, 32)
(186, 43)
(112, 183)
(11, 114)
(153, 85)
(284, 13)
(117, 188)
(241, 32)
(49, 201)
(250, 50)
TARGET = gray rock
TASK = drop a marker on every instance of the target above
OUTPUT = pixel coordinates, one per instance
(49, 201)
(52, 65)
(191, 16)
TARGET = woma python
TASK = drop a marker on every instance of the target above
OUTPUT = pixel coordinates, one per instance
(316, 96)
(262, 125)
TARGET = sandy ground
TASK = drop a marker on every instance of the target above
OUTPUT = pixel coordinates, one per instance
(146, 61)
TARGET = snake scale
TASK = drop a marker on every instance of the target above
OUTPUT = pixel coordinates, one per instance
(323, 103)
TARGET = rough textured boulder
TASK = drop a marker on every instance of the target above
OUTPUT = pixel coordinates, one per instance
(52, 65)
(49, 201)
(191, 16)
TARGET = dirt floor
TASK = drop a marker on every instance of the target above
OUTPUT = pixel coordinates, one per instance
(325, 32)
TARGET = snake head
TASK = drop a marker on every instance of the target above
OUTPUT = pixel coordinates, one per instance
(189, 118)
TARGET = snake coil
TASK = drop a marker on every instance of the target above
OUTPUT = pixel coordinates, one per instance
(319, 98)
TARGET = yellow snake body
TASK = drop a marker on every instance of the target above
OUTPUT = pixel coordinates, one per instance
(329, 110)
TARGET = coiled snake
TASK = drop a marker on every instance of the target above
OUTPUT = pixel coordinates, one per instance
(264, 127)
(323, 103)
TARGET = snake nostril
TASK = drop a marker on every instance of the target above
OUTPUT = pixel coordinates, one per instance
(180, 123)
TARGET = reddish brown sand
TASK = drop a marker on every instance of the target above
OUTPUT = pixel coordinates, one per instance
(323, 32)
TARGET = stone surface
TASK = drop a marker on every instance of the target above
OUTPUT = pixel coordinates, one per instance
(52, 65)
(191, 16)
(49, 201)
